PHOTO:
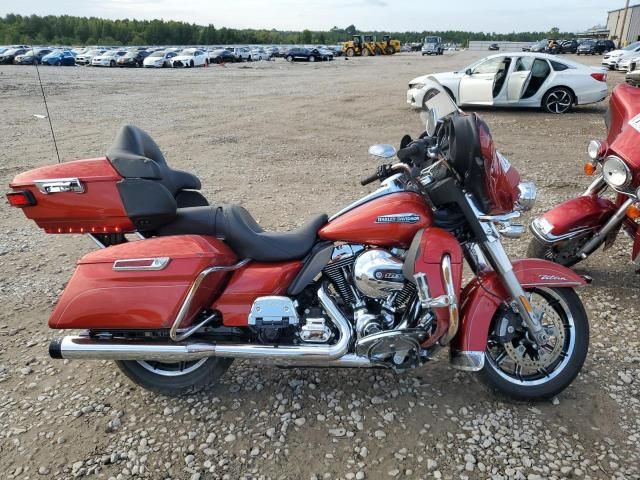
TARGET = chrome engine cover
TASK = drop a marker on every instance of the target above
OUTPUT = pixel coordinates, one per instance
(377, 273)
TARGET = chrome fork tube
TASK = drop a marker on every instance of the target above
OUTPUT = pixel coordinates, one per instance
(596, 187)
(501, 263)
(601, 234)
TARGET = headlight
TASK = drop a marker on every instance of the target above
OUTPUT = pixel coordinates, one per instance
(615, 172)
(416, 85)
(596, 149)
(528, 194)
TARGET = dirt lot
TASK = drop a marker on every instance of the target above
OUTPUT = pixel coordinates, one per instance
(287, 141)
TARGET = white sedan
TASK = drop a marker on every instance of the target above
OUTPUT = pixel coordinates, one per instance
(159, 59)
(108, 58)
(521, 79)
(190, 57)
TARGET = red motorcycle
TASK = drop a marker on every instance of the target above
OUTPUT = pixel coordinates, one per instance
(179, 288)
(573, 230)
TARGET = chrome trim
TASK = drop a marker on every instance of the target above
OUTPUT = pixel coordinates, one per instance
(155, 264)
(467, 361)
(186, 304)
(597, 185)
(97, 242)
(528, 195)
(550, 238)
(454, 315)
(84, 347)
(601, 234)
(58, 185)
(391, 185)
(625, 167)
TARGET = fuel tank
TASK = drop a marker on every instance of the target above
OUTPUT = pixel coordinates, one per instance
(388, 221)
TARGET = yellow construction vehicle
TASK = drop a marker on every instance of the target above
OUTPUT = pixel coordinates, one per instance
(387, 46)
(360, 45)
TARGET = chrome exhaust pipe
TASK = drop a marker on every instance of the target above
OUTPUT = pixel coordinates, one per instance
(84, 347)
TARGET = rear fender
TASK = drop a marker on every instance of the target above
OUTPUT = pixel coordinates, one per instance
(485, 293)
(573, 216)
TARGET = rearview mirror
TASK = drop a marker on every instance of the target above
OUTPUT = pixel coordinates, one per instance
(382, 150)
(468, 72)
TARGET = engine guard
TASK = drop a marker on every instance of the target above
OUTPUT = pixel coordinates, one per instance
(573, 217)
(485, 293)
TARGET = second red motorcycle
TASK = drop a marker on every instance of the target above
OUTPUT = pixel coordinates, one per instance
(573, 230)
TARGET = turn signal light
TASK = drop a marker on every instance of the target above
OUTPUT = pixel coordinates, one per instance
(21, 199)
(633, 212)
(589, 169)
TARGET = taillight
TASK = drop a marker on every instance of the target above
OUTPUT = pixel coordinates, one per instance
(601, 77)
(21, 199)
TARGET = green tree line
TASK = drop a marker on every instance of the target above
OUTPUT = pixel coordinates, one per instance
(70, 30)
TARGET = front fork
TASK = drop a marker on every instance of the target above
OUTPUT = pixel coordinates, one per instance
(500, 262)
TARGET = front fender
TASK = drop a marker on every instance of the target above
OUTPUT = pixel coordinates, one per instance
(484, 294)
(574, 215)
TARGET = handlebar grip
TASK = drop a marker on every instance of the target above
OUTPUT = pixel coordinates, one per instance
(407, 152)
(371, 178)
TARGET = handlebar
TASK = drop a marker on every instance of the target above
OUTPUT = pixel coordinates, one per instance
(416, 148)
(371, 178)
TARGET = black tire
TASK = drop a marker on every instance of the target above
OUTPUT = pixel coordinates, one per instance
(191, 64)
(204, 376)
(562, 253)
(112, 63)
(58, 63)
(390, 50)
(350, 52)
(366, 52)
(575, 340)
(378, 51)
(558, 100)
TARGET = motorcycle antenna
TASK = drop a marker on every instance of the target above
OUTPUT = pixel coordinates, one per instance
(46, 107)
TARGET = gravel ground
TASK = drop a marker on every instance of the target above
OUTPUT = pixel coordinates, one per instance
(287, 141)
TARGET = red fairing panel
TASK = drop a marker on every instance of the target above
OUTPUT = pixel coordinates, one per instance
(623, 138)
(250, 282)
(484, 294)
(580, 212)
(370, 224)
(435, 243)
(99, 297)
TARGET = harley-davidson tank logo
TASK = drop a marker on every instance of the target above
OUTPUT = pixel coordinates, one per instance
(399, 218)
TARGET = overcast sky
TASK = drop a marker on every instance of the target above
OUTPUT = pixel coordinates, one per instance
(393, 15)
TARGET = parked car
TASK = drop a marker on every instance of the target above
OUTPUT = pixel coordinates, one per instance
(539, 47)
(190, 57)
(59, 58)
(494, 47)
(222, 55)
(159, 59)
(86, 57)
(108, 58)
(241, 53)
(518, 79)
(633, 78)
(628, 64)
(568, 46)
(133, 58)
(527, 48)
(592, 47)
(611, 59)
(327, 54)
(259, 53)
(32, 56)
(299, 54)
(8, 56)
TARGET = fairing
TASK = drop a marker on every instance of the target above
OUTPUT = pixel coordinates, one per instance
(623, 137)
(485, 293)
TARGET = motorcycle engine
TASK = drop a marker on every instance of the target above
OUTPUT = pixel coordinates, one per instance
(371, 282)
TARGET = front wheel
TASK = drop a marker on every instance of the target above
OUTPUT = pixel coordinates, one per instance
(564, 252)
(517, 367)
(175, 379)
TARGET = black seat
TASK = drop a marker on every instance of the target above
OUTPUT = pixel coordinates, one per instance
(235, 225)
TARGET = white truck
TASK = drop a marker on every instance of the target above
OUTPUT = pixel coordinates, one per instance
(432, 46)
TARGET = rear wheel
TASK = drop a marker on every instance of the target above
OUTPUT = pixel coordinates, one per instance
(365, 52)
(517, 367)
(350, 52)
(175, 379)
(390, 50)
(557, 100)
